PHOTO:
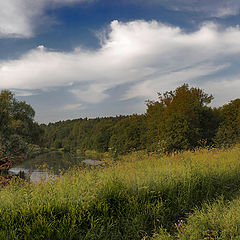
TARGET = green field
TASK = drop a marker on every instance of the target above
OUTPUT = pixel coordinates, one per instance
(191, 195)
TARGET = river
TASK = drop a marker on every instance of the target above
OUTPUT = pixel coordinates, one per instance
(51, 164)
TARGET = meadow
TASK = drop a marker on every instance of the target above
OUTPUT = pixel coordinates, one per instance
(189, 195)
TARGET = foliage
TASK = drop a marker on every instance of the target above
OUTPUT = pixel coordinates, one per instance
(217, 220)
(82, 134)
(126, 135)
(178, 120)
(131, 200)
(17, 127)
(181, 119)
(229, 129)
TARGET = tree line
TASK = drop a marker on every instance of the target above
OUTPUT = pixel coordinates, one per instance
(179, 120)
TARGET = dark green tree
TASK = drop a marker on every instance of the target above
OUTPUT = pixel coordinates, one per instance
(17, 127)
(127, 135)
(229, 130)
(180, 119)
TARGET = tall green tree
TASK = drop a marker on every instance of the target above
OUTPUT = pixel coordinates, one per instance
(17, 126)
(180, 119)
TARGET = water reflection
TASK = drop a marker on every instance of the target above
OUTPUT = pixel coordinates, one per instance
(51, 164)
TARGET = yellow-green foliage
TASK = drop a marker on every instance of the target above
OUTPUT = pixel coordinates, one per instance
(220, 220)
(93, 154)
(138, 197)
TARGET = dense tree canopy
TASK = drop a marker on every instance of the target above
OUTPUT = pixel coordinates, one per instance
(82, 134)
(127, 135)
(178, 120)
(17, 127)
(229, 129)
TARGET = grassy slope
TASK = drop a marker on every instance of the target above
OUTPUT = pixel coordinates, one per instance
(219, 220)
(137, 198)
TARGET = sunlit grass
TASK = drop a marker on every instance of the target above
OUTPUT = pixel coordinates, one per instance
(140, 196)
(219, 220)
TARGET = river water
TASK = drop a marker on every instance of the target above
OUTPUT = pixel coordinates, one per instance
(51, 164)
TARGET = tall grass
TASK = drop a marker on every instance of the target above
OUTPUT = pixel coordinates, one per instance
(136, 198)
(219, 220)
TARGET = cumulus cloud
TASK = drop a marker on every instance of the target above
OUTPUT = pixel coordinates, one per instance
(19, 18)
(146, 56)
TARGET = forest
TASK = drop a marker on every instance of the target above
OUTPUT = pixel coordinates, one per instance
(179, 120)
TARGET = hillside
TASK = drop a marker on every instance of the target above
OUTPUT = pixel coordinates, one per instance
(139, 197)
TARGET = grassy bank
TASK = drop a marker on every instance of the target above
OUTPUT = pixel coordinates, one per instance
(139, 197)
(219, 220)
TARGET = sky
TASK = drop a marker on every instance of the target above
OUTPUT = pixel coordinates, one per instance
(93, 58)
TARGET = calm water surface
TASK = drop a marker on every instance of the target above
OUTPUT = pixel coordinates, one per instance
(51, 164)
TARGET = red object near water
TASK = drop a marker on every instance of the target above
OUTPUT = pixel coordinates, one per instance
(7, 162)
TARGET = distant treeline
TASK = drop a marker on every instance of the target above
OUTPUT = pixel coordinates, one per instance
(178, 120)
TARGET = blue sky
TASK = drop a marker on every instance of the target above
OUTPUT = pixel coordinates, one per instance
(93, 58)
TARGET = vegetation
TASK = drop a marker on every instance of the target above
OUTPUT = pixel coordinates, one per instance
(219, 220)
(17, 128)
(229, 130)
(142, 196)
(166, 187)
(82, 134)
(179, 120)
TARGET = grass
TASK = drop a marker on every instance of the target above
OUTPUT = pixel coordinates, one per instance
(219, 220)
(138, 198)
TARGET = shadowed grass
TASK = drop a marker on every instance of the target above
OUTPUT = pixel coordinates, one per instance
(134, 199)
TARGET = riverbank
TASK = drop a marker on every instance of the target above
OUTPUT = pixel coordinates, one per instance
(142, 196)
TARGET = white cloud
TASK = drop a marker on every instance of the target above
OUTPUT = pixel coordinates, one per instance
(22, 93)
(213, 8)
(224, 12)
(19, 18)
(71, 107)
(93, 94)
(168, 81)
(224, 90)
(148, 56)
